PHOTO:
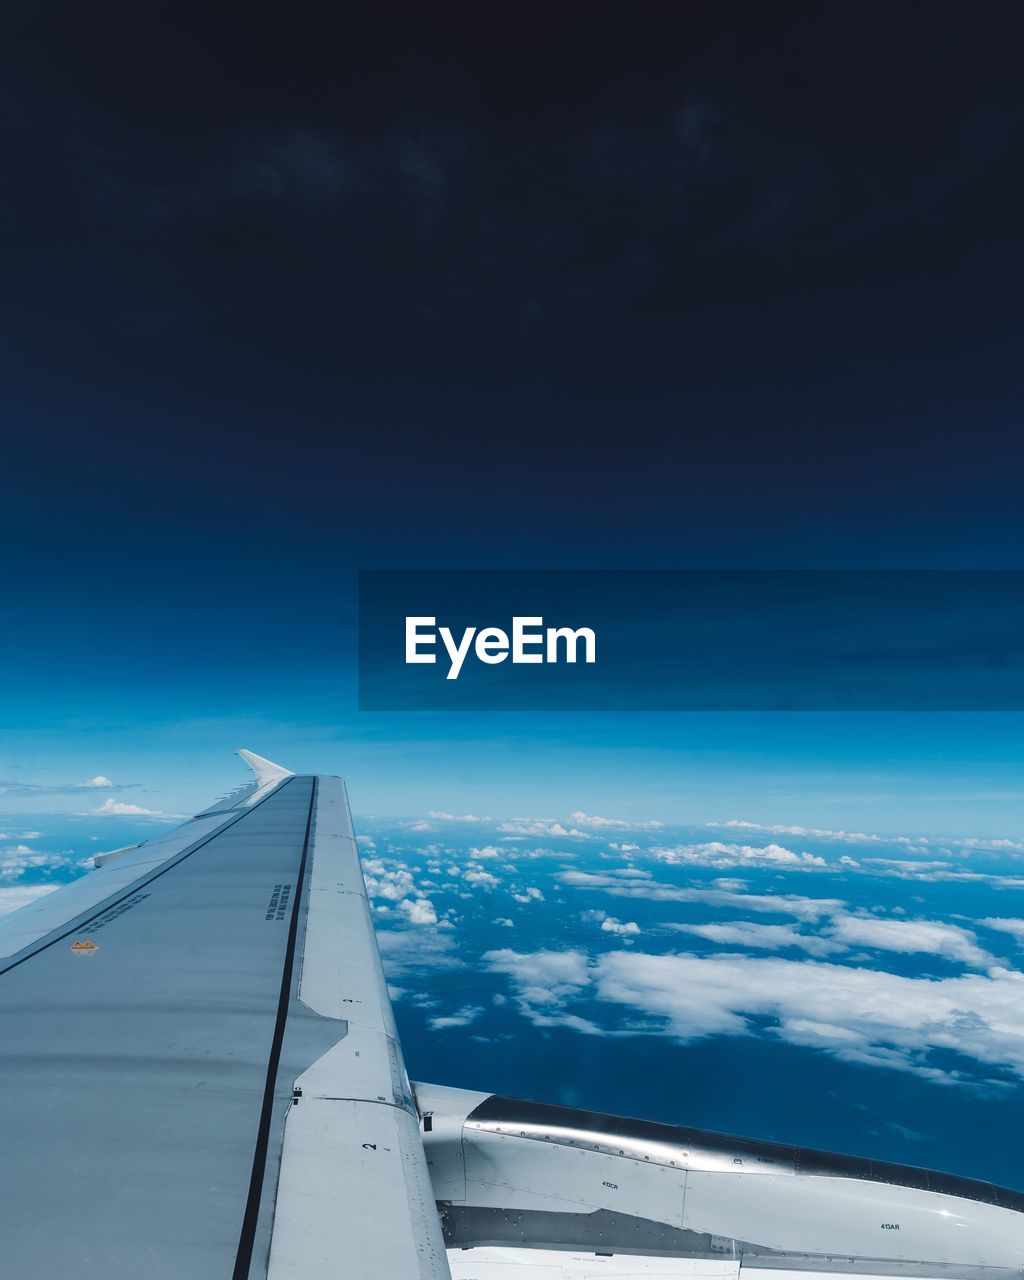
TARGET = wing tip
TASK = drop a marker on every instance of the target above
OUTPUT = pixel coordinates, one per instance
(265, 770)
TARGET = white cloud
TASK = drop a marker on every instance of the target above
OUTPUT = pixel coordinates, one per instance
(504, 922)
(909, 936)
(934, 871)
(624, 930)
(857, 1014)
(848, 931)
(543, 827)
(820, 833)
(461, 1018)
(864, 837)
(911, 865)
(854, 1014)
(480, 878)
(552, 974)
(393, 884)
(422, 1000)
(1005, 924)
(453, 817)
(789, 904)
(591, 820)
(98, 781)
(121, 809)
(762, 937)
(714, 853)
(488, 851)
(418, 912)
(409, 951)
(984, 842)
(18, 860)
(531, 894)
(21, 895)
(545, 980)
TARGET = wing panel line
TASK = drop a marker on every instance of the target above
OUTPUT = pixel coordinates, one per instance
(247, 1238)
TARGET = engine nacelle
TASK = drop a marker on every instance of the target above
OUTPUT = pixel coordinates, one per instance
(526, 1174)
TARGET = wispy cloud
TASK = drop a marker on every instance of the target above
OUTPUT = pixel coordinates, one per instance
(544, 982)
(615, 824)
(820, 833)
(760, 937)
(543, 827)
(455, 817)
(97, 783)
(119, 808)
(1005, 924)
(625, 885)
(18, 861)
(846, 931)
(716, 854)
(933, 872)
(858, 1015)
(931, 937)
(460, 1018)
(21, 895)
(996, 843)
(411, 951)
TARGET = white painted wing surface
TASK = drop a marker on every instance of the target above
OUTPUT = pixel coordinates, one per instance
(354, 1183)
(199, 1071)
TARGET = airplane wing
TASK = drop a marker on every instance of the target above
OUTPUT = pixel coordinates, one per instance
(199, 1071)
(200, 1078)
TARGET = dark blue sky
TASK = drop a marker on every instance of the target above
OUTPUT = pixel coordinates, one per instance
(293, 292)
(734, 283)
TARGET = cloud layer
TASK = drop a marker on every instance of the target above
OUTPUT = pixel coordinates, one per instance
(855, 1014)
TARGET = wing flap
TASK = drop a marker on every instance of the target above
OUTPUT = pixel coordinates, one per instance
(355, 1187)
(353, 1179)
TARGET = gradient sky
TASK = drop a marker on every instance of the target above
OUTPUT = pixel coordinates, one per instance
(725, 286)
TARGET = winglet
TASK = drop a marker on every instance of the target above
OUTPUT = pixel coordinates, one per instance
(265, 770)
